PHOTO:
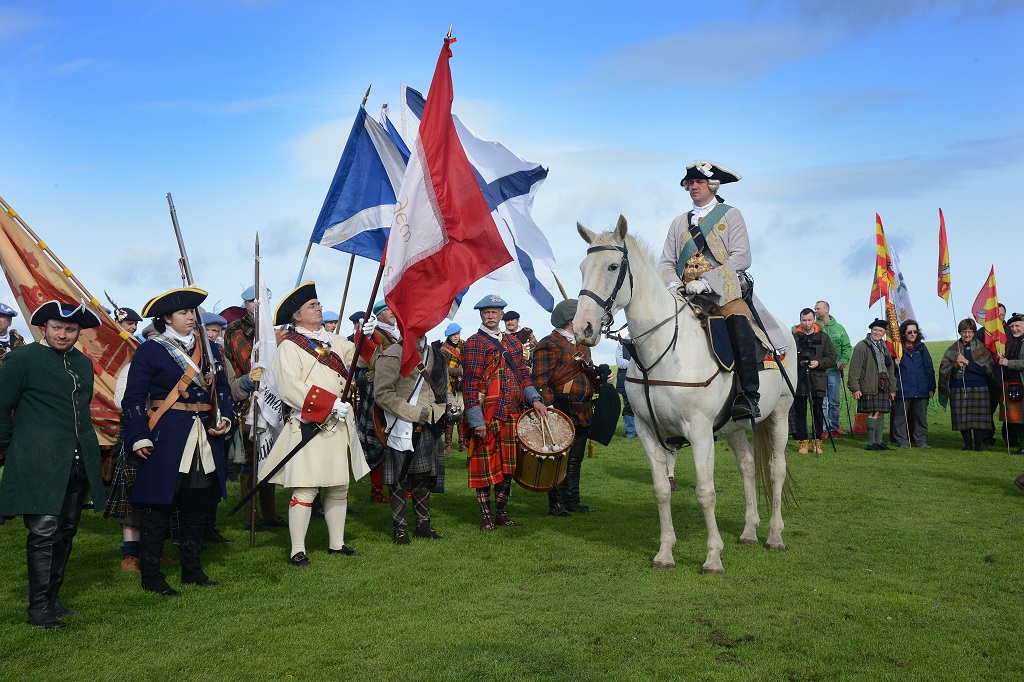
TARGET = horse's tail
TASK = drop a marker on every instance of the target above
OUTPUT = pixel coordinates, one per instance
(762, 466)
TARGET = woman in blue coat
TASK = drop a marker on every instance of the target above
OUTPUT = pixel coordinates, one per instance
(915, 386)
(179, 445)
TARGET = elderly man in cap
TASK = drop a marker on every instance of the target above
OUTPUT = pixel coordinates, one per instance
(177, 409)
(49, 449)
(566, 379)
(238, 343)
(318, 441)
(523, 334)
(496, 384)
(9, 338)
(707, 251)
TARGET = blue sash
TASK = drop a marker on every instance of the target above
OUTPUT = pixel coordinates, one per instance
(698, 235)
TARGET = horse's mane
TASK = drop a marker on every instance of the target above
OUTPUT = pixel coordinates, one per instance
(634, 244)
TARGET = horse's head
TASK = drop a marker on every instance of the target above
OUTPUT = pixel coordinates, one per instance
(607, 282)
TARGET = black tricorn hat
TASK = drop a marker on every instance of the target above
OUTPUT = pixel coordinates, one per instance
(64, 312)
(127, 315)
(294, 300)
(879, 323)
(183, 298)
(705, 170)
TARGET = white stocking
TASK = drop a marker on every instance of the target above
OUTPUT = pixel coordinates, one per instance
(335, 510)
(300, 508)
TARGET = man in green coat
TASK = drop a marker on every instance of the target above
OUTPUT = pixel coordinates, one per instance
(48, 448)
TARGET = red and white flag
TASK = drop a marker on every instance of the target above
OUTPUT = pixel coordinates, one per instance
(443, 237)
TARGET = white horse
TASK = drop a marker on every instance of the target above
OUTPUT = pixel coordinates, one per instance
(685, 389)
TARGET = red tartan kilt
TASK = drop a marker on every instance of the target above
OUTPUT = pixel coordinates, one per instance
(1011, 412)
(495, 460)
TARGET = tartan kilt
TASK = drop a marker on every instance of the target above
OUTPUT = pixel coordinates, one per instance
(428, 458)
(874, 403)
(970, 408)
(494, 461)
(121, 484)
(1011, 412)
(373, 449)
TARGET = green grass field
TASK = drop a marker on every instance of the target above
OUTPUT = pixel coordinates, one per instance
(899, 565)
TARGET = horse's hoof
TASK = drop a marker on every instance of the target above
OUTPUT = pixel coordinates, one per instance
(663, 565)
(748, 541)
(712, 570)
(775, 546)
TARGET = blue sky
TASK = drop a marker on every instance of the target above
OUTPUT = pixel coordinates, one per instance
(830, 111)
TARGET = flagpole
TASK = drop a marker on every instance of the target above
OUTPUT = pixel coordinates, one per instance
(560, 287)
(359, 332)
(302, 269)
(1002, 380)
(254, 405)
(66, 270)
(348, 279)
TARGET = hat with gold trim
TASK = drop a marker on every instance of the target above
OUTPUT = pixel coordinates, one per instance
(182, 298)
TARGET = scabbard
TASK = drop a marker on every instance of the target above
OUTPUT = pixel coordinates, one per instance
(309, 431)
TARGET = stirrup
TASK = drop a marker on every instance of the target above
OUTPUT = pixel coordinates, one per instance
(745, 408)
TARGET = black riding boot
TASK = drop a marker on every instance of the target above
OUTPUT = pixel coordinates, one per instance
(67, 527)
(571, 487)
(741, 336)
(39, 549)
(151, 549)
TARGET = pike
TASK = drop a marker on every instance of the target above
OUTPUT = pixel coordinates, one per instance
(186, 276)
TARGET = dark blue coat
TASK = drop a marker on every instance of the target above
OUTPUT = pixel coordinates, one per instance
(152, 375)
(915, 375)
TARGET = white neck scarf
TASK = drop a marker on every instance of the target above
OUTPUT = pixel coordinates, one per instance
(390, 329)
(568, 335)
(321, 334)
(495, 335)
(701, 211)
(186, 341)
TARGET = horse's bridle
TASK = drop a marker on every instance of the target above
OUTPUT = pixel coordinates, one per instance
(607, 303)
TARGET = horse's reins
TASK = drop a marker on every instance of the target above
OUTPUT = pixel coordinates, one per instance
(606, 324)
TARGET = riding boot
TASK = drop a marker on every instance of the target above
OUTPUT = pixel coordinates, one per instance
(67, 526)
(195, 509)
(571, 487)
(39, 552)
(556, 505)
(151, 549)
(741, 336)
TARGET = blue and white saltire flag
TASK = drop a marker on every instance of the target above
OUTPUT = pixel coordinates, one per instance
(360, 204)
(509, 184)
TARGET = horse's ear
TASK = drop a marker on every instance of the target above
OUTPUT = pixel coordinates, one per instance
(620, 228)
(587, 235)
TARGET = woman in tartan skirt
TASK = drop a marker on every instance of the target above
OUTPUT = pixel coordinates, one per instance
(1010, 366)
(964, 375)
(871, 382)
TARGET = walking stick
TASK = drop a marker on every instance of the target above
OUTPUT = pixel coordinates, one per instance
(843, 397)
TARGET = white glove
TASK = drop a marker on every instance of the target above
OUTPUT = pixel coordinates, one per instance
(341, 409)
(698, 286)
(369, 324)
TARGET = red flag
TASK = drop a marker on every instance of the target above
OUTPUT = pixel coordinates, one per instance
(35, 279)
(884, 277)
(944, 280)
(443, 238)
(986, 312)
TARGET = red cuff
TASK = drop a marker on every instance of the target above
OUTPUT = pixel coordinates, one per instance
(318, 404)
(367, 348)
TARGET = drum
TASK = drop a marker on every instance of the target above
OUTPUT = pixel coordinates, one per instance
(543, 456)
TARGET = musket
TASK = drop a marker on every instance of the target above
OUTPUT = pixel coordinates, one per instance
(186, 275)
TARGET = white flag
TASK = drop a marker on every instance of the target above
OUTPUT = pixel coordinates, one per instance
(901, 297)
(270, 419)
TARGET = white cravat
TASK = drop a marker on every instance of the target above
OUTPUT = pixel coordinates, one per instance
(390, 329)
(701, 211)
(568, 335)
(494, 335)
(186, 341)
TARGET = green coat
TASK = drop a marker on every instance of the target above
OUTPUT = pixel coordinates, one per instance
(44, 415)
(863, 374)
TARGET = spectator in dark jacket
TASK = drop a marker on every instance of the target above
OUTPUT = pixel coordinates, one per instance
(915, 385)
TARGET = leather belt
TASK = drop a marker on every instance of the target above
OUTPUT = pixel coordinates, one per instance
(187, 407)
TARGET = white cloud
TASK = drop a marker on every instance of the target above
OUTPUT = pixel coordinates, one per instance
(317, 151)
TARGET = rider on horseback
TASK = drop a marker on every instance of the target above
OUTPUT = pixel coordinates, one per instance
(706, 251)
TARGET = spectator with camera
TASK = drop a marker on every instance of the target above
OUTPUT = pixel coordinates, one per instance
(815, 355)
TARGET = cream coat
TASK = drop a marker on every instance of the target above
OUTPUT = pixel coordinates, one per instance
(324, 461)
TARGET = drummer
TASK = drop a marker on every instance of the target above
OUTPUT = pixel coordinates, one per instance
(561, 372)
(496, 384)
